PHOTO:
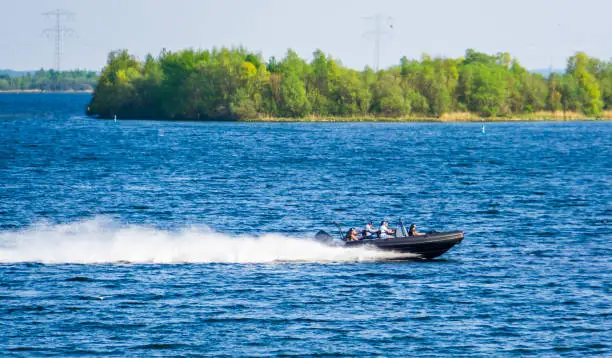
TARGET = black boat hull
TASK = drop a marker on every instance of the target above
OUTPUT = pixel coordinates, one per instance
(428, 246)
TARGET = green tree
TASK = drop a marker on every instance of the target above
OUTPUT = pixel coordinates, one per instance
(483, 88)
(387, 96)
(579, 67)
(528, 92)
(115, 93)
(605, 80)
(553, 101)
(294, 102)
(293, 99)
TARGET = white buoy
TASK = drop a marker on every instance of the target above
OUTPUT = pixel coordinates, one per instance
(483, 128)
(115, 118)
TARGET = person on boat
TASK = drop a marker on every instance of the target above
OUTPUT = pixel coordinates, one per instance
(385, 232)
(369, 232)
(413, 232)
(351, 235)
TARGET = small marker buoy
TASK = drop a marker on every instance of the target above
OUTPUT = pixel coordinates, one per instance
(115, 118)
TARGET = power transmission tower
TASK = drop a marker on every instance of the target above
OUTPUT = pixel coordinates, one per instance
(382, 25)
(59, 32)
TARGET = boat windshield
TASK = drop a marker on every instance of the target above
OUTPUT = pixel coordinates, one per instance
(402, 229)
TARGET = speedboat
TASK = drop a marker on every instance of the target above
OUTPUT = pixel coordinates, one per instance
(427, 246)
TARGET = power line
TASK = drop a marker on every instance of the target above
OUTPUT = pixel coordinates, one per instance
(382, 25)
(59, 32)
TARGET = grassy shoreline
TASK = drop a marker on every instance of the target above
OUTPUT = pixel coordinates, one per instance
(449, 118)
(370, 120)
(544, 116)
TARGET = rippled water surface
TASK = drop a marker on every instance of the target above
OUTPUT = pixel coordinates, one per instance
(152, 238)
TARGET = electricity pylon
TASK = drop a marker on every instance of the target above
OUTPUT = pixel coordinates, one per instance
(58, 33)
(382, 25)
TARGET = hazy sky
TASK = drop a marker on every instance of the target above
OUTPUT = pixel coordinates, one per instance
(537, 32)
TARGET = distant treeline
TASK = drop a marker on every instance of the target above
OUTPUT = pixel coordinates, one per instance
(237, 84)
(50, 81)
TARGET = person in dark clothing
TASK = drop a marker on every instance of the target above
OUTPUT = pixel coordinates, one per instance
(413, 232)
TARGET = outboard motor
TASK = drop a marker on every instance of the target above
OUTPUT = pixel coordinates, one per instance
(324, 237)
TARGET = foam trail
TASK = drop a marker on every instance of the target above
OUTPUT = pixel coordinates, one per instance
(102, 241)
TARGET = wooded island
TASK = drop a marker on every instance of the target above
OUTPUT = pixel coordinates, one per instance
(236, 84)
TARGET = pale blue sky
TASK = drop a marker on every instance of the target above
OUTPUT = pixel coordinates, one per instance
(537, 32)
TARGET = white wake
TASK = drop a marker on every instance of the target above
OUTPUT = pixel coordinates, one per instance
(104, 241)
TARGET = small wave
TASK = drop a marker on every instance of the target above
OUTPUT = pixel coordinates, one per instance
(78, 279)
(24, 349)
(164, 346)
(100, 240)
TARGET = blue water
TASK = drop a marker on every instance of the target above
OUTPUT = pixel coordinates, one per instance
(153, 238)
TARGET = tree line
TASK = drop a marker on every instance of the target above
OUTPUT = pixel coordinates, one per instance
(50, 80)
(238, 84)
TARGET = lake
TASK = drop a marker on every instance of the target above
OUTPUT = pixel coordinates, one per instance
(161, 238)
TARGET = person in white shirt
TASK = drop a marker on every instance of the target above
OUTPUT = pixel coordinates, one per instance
(369, 232)
(385, 232)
